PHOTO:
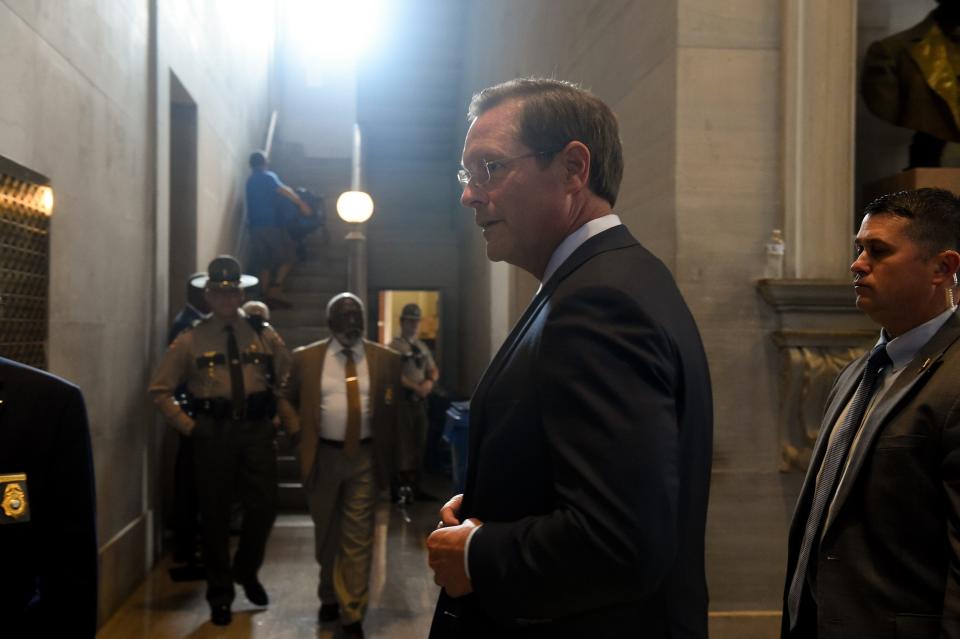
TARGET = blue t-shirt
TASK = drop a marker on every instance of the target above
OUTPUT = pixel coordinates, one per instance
(262, 199)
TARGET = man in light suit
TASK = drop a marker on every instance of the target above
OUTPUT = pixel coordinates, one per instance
(340, 405)
(874, 547)
(590, 432)
(48, 530)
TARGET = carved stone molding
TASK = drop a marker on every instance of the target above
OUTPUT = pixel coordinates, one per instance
(820, 331)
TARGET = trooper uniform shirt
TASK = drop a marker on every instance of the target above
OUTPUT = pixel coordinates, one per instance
(416, 358)
(198, 356)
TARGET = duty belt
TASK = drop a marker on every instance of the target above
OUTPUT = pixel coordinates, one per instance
(261, 405)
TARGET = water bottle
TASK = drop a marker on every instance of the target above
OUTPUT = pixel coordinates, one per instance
(775, 252)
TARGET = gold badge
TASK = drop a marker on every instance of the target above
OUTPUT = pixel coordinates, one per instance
(14, 503)
(388, 395)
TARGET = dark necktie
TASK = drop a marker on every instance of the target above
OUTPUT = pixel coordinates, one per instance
(238, 398)
(833, 459)
(351, 441)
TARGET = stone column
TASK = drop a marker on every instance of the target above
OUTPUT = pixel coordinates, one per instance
(819, 91)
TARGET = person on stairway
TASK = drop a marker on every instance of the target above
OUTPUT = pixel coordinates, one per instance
(273, 249)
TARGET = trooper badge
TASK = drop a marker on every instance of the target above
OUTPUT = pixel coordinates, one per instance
(14, 505)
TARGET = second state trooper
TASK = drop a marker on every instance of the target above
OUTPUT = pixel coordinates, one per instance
(231, 367)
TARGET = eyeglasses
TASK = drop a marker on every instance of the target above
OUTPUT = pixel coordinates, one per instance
(488, 168)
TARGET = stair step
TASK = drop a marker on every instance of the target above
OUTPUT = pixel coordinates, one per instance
(319, 283)
(288, 469)
(304, 300)
(321, 267)
(290, 497)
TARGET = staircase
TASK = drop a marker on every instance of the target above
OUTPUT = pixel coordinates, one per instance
(311, 284)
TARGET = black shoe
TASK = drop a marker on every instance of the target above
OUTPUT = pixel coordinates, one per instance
(255, 592)
(220, 615)
(329, 612)
(353, 631)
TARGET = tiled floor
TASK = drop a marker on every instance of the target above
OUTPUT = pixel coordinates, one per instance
(401, 602)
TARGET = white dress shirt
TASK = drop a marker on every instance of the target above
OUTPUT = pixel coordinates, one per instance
(333, 391)
(573, 241)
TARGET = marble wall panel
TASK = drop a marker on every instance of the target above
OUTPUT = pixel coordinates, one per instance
(647, 197)
(735, 24)
(79, 31)
(743, 372)
(18, 50)
(728, 181)
(747, 526)
(728, 123)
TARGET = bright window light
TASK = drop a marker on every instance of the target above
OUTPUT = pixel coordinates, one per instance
(326, 31)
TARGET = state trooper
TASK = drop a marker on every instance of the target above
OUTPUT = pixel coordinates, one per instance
(419, 374)
(232, 367)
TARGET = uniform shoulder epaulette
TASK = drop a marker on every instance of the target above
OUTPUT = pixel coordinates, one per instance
(257, 323)
(192, 325)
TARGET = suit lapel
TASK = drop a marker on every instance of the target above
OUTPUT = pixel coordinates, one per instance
(310, 384)
(510, 343)
(919, 369)
(613, 238)
(846, 385)
(616, 237)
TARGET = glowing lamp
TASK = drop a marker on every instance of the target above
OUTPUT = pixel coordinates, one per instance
(46, 199)
(354, 207)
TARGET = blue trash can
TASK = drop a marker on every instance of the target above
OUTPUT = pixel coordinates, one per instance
(456, 431)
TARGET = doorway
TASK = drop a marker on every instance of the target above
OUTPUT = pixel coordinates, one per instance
(183, 194)
(390, 303)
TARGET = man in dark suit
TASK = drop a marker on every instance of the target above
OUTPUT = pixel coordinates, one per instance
(590, 432)
(874, 547)
(48, 576)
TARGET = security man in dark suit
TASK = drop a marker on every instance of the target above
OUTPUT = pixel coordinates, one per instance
(874, 545)
(231, 367)
(48, 537)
